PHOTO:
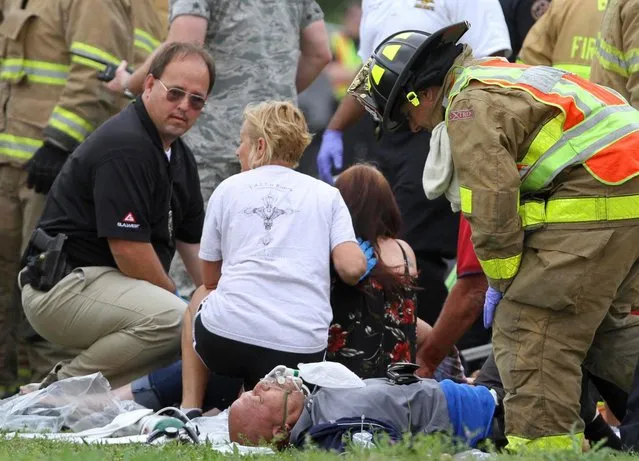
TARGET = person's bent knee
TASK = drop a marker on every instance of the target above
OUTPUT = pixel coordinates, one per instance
(169, 317)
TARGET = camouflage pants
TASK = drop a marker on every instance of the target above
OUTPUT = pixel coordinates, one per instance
(569, 305)
(20, 209)
(212, 173)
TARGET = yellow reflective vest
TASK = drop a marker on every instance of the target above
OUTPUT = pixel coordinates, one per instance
(592, 127)
(52, 52)
(345, 53)
(565, 36)
(616, 64)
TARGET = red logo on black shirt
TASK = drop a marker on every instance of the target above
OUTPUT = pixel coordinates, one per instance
(129, 218)
(129, 222)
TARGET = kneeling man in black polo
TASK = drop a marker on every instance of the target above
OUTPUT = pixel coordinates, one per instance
(126, 199)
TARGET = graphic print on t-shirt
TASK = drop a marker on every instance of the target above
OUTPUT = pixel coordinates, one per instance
(269, 212)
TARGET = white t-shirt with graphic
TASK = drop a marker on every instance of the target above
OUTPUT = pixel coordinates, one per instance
(488, 31)
(274, 229)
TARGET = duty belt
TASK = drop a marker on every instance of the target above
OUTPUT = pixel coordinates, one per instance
(579, 209)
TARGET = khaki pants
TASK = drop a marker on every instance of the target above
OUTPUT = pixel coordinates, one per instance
(125, 327)
(20, 210)
(569, 304)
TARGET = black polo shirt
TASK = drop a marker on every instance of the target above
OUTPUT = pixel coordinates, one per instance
(119, 184)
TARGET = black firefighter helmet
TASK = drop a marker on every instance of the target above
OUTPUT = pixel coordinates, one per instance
(403, 63)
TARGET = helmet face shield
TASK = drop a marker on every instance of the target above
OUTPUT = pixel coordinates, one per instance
(360, 88)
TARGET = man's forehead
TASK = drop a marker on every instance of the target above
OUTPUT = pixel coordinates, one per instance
(189, 71)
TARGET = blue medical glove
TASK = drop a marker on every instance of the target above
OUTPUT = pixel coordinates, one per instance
(369, 252)
(331, 154)
(490, 304)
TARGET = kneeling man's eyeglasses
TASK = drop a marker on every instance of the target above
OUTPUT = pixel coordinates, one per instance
(177, 94)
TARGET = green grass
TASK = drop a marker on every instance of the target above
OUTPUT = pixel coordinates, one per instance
(421, 449)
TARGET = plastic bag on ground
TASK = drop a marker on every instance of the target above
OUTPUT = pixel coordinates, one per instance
(77, 404)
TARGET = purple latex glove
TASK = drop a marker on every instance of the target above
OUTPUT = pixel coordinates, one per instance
(330, 155)
(490, 304)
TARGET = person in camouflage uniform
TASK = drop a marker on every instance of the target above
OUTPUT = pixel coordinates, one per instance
(252, 67)
(262, 50)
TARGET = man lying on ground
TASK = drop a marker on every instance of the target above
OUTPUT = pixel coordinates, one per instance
(284, 413)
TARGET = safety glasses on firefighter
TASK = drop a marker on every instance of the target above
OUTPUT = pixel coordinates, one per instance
(177, 94)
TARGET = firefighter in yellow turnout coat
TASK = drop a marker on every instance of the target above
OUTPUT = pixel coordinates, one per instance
(547, 167)
(617, 62)
(565, 36)
(51, 53)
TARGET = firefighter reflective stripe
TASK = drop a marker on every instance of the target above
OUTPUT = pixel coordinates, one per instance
(549, 85)
(576, 146)
(466, 197)
(579, 209)
(549, 135)
(70, 124)
(617, 61)
(145, 41)
(14, 69)
(580, 69)
(91, 56)
(501, 268)
(549, 443)
(18, 146)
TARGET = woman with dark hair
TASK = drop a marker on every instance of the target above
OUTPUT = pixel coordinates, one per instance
(375, 322)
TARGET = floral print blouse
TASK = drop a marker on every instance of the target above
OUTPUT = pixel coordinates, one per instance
(372, 329)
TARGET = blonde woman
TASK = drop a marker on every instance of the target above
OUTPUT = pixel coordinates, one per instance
(269, 236)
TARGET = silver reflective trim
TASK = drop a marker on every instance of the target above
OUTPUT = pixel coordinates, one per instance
(542, 78)
(611, 58)
(92, 56)
(18, 146)
(46, 73)
(146, 41)
(70, 123)
(579, 130)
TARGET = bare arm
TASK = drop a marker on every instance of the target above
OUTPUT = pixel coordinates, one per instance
(189, 253)
(349, 262)
(211, 273)
(422, 331)
(315, 54)
(462, 307)
(195, 375)
(347, 114)
(185, 28)
(139, 260)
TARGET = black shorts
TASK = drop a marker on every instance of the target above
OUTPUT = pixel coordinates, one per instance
(236, 359)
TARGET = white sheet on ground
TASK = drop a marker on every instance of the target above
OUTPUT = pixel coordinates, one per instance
(213, 431)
